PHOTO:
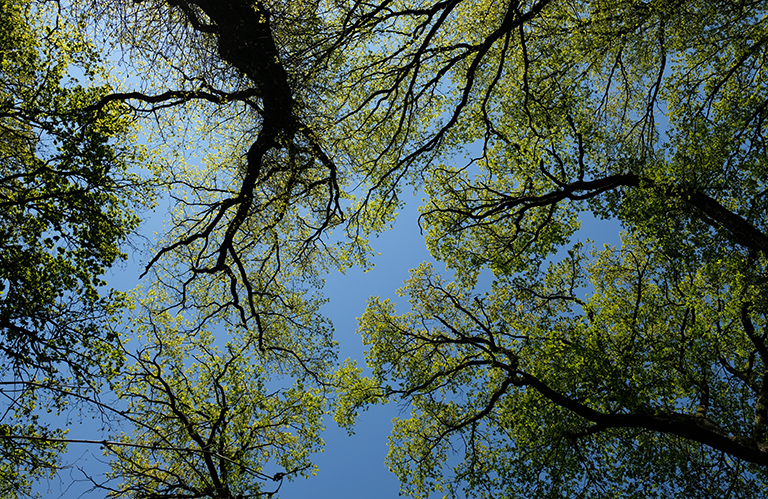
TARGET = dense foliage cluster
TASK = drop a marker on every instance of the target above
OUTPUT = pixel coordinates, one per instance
(282, 135)
(65, 194)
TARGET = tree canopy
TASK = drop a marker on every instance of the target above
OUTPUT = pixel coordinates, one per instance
(283, 136)
(66, 194)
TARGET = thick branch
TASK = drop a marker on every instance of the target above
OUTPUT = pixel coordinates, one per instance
(694, 428)
(714, 214)
(176, 96)
(246, 42)
(740, 230)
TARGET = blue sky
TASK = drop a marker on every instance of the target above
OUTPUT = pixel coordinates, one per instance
(353, 466)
